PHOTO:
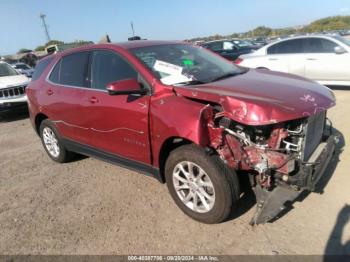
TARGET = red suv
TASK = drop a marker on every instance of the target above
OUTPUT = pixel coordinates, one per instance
(187, 117)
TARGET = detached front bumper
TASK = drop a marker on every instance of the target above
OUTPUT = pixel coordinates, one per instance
(312, 171)
(271, 203)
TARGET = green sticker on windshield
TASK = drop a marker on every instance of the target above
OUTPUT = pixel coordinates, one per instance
(187, 62)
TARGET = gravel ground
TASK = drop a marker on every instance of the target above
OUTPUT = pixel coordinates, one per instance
(91, 207)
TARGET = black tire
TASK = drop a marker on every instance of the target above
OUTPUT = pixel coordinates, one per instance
(64, 155)
(224, 181)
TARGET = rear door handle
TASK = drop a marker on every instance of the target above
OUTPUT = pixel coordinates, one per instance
(273, 59)
(311, 59)
(49, 92)
(93, 100)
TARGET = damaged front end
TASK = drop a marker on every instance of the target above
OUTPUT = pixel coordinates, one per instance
(282, 159)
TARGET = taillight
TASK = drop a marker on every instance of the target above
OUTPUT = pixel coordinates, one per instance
(238, 61)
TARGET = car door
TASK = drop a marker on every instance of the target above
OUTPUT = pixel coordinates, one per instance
(118, 124)
(286, 56)
(64, 93)
(323, 63)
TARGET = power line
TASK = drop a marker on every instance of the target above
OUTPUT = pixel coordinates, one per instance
(46, 30)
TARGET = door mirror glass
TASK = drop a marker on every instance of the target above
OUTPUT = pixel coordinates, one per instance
(125, 87)
(339, 50)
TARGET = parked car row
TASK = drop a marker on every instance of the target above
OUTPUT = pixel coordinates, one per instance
(230, 49)
(322, 58)
(325, 59)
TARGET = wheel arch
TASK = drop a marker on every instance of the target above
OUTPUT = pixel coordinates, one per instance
(39, 118)
(167, 147)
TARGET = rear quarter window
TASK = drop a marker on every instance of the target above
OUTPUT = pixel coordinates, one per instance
(40, 67)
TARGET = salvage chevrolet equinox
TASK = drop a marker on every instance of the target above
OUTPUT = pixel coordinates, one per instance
(188, 118)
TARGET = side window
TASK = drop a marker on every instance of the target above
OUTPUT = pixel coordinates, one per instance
(55, 73)
(72, 70)
(40, 67)
(320, 45)
(272, 49)
(108, 67)
(294, 46)
(215, 46)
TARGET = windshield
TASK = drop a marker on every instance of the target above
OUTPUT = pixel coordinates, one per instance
(242, 43)
(6, 70)
(181, 64)
(343, 40)
(22, 66)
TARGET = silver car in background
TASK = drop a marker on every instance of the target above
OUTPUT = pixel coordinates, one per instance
(325, 59)
(24, 69)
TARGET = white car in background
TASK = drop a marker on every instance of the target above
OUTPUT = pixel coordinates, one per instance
(12, 87)
(325, 59)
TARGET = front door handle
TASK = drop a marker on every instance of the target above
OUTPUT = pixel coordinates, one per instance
(311, 59)
(273, 59)
(93, 100)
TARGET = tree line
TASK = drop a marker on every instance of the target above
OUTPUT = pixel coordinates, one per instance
(334, 23)
(52, 42)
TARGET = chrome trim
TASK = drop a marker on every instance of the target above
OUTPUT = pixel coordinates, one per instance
(75, 87)
(19, 89)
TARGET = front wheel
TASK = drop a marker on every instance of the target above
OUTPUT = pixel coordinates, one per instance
(201, 185)
(53, 144)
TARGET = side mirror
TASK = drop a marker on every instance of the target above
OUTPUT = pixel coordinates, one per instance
(339, 50)
(125, 87)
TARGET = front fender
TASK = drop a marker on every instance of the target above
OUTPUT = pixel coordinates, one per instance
(176, 116)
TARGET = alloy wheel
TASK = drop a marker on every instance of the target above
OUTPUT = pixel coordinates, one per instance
(193, 186)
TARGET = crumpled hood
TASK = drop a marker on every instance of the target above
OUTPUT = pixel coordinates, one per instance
(8, 81)
(260, 97)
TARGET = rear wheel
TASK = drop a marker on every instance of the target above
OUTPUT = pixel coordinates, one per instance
(53, 144)
(201, 184)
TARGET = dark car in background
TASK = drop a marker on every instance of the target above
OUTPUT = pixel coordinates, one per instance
(228, 48)
(243, 43)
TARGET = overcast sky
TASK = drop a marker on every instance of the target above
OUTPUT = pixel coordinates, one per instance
(71, 20)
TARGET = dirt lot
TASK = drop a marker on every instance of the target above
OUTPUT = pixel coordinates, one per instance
(91, 207)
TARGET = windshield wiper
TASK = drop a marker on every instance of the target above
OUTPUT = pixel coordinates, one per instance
(227, 75)
(190, 82)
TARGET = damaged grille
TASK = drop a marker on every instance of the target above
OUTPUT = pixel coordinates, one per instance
(12, 92)
(313, 134)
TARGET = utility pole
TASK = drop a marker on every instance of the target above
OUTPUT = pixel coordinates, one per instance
(43, 16)
(132, 28)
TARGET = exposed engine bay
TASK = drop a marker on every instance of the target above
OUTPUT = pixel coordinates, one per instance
(280, 158)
